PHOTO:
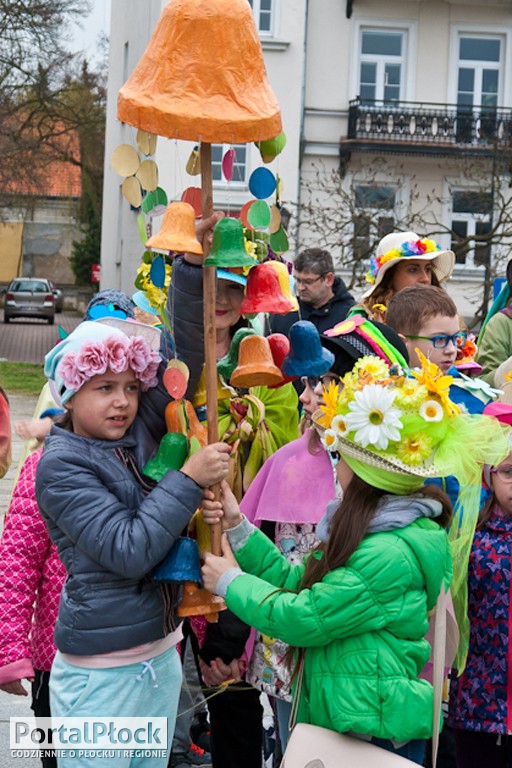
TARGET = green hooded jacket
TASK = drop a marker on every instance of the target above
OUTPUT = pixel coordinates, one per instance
(362, 626)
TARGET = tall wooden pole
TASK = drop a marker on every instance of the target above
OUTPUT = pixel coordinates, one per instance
(210, 334)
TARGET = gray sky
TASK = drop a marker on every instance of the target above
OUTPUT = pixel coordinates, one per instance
(98, 21)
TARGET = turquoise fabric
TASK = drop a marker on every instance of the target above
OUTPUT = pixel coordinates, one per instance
(148, 689)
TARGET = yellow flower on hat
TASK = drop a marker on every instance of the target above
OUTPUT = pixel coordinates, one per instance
(372, 367)
(330, 406)
(414, 449)
(436, 383)
(411, 394)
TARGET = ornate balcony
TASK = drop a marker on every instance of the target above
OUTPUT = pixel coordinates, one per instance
(409, 127)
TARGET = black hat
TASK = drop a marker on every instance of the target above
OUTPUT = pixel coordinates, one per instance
(363, 339)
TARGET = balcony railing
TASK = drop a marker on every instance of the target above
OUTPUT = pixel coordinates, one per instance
(442, 125)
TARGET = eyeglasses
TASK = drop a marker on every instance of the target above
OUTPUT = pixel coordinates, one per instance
(441, 340)
(503, 473)
(325, 380)
(309, 280)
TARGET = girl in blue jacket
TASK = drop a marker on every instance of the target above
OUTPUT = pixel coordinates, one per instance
(357, 607)
(117, 629)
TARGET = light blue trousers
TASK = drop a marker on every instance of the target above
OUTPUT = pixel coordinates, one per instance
(148, 689)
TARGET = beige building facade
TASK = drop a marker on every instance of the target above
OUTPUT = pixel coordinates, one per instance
(397, 115)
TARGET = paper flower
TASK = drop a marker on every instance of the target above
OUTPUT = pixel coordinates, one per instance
(431, 410)
(338, 426)
(373, 418)
(330, 404)
(415, 449)
(330, 440)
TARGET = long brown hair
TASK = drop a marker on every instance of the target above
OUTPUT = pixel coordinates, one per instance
(349, 526)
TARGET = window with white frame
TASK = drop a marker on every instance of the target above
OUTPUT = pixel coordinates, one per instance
(382, 64)
(240, 172)
(374, 217)
(263, 15)
(479, 75)
(471, 215)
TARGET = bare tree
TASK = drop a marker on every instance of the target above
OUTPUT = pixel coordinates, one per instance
(350, 214)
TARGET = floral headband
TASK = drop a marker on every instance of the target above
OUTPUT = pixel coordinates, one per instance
(409, 249)
(116, 353)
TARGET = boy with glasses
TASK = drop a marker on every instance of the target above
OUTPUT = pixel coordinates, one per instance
(426, 318)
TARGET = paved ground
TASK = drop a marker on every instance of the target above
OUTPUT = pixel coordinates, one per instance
(27, 340)
(21, 407)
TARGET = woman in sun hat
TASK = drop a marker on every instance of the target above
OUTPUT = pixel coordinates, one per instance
(402, 259)
(357, 607)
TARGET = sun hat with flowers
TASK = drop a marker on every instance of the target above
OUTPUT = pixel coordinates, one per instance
(95, 346)
(397, 429)
(402, 245)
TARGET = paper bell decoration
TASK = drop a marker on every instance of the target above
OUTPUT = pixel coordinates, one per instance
(284, 282)
(172, 453)
(223, 391)
(280, 347)
(263, 292)
(307, 357)
(228, 249)
(256, 367)
(227, 364)
(178, 231)
(182, 562)
(175, 92)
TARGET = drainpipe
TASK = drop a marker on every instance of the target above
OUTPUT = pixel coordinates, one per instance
(302, 138)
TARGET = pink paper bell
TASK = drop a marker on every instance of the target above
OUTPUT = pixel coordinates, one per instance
(263, 292)
(280, 347)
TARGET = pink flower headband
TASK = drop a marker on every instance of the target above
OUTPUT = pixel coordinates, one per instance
(116, 353)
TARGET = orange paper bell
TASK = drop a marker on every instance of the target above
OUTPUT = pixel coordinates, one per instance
(202, 75)
(178, 231)
(263, 292)
(200, 602)
(256, 367)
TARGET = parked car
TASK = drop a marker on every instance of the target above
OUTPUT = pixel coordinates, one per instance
(29, 297)
(59, 296)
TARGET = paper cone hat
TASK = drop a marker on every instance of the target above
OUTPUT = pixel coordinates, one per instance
(202, 75)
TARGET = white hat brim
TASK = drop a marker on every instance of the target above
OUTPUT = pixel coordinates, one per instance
(443, 263)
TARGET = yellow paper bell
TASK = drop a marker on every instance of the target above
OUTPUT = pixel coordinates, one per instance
(176, 92)
(223, 391)
(284, 282)
(178, 231)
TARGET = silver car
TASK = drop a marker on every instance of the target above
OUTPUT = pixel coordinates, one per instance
(29, 297)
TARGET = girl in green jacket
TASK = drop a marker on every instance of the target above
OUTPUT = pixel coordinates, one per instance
(357, 608)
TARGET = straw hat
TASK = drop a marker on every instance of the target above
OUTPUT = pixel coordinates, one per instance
(399, 245)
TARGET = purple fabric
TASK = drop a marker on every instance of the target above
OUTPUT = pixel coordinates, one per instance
(479, 697)
(293, 486)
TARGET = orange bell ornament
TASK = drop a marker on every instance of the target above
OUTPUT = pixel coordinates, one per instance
(178, 231)
(263, 292)
(256, 367)
(193, 81)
